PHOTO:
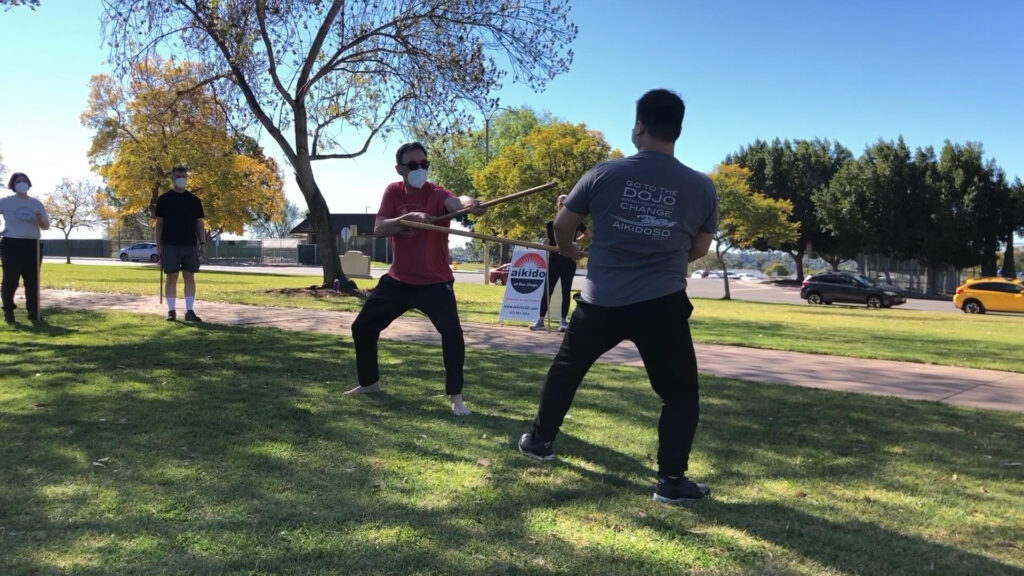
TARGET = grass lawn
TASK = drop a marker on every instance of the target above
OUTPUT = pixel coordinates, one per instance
(976, 341)
(136, 446)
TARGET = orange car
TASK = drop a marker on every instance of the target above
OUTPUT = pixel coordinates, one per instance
(990, 294)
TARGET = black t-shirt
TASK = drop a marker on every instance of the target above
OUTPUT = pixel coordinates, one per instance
(550, 225)
(180, 210)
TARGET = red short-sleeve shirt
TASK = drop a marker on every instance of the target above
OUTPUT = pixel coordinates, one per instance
(420, 256)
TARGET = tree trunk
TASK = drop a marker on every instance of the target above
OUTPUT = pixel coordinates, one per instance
(67, 247)
(798, 262)
(1009, 266)
(989, 265)
(725, 270)
(932, 279)
(320, 218)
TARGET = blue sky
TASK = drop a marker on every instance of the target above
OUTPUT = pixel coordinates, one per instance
(848, 71)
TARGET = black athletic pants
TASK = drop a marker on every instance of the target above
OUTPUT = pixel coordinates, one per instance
(661, 331)
(561, 270)
(389, 300)
(19, 255)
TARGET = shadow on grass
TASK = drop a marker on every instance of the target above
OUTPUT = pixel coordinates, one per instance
(232, 451)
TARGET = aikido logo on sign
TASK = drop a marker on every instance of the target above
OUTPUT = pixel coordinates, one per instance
(525, 286)
(527, 273)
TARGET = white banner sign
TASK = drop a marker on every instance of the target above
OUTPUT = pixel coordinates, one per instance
(525, 285)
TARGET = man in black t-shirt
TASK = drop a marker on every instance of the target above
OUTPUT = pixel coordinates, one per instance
(180, 241)
(561, 270)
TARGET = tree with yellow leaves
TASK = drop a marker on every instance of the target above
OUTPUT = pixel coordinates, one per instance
(746, 217)
(164, 116)
(553, 151)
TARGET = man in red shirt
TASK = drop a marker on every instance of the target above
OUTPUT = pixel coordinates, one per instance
(420, 276)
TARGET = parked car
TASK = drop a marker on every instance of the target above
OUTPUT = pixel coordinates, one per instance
(751, 275)
(499, 275)
(141, 251)
(717, 274)
(849, 287)
(980, 295)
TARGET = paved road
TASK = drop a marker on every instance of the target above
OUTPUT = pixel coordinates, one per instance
(697, 287)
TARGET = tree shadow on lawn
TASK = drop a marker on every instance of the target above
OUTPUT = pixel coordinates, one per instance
(847, 547)
(228, 454)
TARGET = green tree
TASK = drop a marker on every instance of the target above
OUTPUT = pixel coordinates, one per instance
(72, 205)
(279, 227)
(162, 118)
(747, 217)
(558, 151)
(872, 205)
(3, 167)
(312, 74)
(971, 200)
(794, 171)
(1016, 226)
(455, 157)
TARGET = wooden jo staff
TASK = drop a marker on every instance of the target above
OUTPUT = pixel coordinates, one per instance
(496, 201)
(468, 234)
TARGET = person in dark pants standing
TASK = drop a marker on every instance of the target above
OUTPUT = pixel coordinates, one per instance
(561, 270)
(180, 241)
(420, 276)
(24, 218)
(650, 216)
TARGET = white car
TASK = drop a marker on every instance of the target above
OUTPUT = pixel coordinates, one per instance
(752, 275)
(142, 251)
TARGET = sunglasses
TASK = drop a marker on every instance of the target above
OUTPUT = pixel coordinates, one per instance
(417, 165)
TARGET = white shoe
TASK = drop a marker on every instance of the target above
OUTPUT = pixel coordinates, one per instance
(562, 325)
(538, 325)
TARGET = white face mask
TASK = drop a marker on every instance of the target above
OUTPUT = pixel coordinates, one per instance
(179, 182)
(21, 187)
(417, 178)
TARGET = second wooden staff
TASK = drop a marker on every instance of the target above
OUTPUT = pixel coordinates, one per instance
(477, 235)
(522, 193)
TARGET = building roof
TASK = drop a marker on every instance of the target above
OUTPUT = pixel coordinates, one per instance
(363, 223)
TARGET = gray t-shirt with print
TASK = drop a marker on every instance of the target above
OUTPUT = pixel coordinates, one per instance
(645, 211)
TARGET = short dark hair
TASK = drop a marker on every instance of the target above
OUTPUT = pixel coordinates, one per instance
(179, 168)
(406, 148)
(10, 183)
(661, 112)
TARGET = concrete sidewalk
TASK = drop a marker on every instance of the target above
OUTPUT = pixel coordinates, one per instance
(987, 389)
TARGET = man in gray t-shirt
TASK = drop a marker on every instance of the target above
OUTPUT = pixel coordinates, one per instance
(650, 216)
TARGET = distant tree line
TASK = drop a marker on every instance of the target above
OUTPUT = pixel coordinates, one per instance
(947, 209)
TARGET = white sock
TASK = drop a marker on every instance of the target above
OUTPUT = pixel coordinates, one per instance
(170, 303)
(189, 301)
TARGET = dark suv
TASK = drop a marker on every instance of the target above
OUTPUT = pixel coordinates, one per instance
(829, 287)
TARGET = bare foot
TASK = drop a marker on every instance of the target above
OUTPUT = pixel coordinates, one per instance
(458, 408)
(375, 387)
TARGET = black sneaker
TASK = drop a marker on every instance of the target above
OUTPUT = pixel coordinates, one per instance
(190, 316)
(679, 490)
(9, 316)
(537, 450)
(172, 315)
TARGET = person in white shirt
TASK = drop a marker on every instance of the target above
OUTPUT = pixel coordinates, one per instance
(24, 217)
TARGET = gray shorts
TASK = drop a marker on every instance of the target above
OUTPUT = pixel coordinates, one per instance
(176, 258)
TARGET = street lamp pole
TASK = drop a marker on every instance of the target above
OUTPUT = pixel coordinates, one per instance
(487, 139)
(487, 159)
